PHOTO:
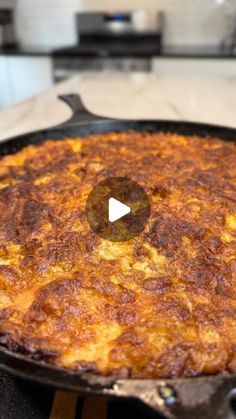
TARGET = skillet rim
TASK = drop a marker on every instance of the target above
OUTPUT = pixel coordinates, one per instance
(98, 122)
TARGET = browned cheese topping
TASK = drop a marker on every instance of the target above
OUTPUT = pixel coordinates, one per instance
(160, 305)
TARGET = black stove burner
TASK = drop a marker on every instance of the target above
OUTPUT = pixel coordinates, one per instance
(20, 399)
(101, 45)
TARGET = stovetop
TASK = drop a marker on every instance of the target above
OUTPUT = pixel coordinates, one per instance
(111, 50)
(103, 46)
(20, 399)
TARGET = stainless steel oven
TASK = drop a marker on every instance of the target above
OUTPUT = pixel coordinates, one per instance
(111, 41)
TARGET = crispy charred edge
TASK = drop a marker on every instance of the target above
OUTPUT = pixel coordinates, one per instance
(91, 367)
(26, 349)
(50, 357)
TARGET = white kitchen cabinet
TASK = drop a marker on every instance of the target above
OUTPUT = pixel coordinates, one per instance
(29, 76)
(22, 77)
(194, 66)
(6, 96)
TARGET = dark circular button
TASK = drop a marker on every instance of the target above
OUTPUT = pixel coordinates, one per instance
(118, 209)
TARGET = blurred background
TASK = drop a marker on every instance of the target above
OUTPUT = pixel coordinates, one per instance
(47, 41)
(140, 59)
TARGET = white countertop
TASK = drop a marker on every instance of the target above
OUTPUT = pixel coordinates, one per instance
(138, 95)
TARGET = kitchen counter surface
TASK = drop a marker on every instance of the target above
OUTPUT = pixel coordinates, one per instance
(22, 51)
(91, 50)
(199, 51)
(145, 49)
(210, 99)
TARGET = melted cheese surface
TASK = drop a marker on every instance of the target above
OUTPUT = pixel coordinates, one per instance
(160, 305)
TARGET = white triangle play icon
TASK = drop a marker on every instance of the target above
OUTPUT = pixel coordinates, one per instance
(116, 210)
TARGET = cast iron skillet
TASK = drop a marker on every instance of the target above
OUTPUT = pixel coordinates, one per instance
(202, 397)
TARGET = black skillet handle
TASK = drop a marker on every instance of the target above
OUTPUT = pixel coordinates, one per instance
(203, 398)
(80, 113)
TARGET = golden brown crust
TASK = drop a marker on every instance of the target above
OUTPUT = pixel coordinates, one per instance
(160, 305)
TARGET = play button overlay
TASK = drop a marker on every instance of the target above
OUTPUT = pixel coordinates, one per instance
(117, 209)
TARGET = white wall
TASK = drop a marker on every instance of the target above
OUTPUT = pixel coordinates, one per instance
(51, 22)
(7, 3)
(46, 23)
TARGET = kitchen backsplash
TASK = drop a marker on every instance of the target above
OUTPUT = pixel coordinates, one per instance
(50, 23)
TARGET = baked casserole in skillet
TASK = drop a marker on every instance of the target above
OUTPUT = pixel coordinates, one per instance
(162, 305)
